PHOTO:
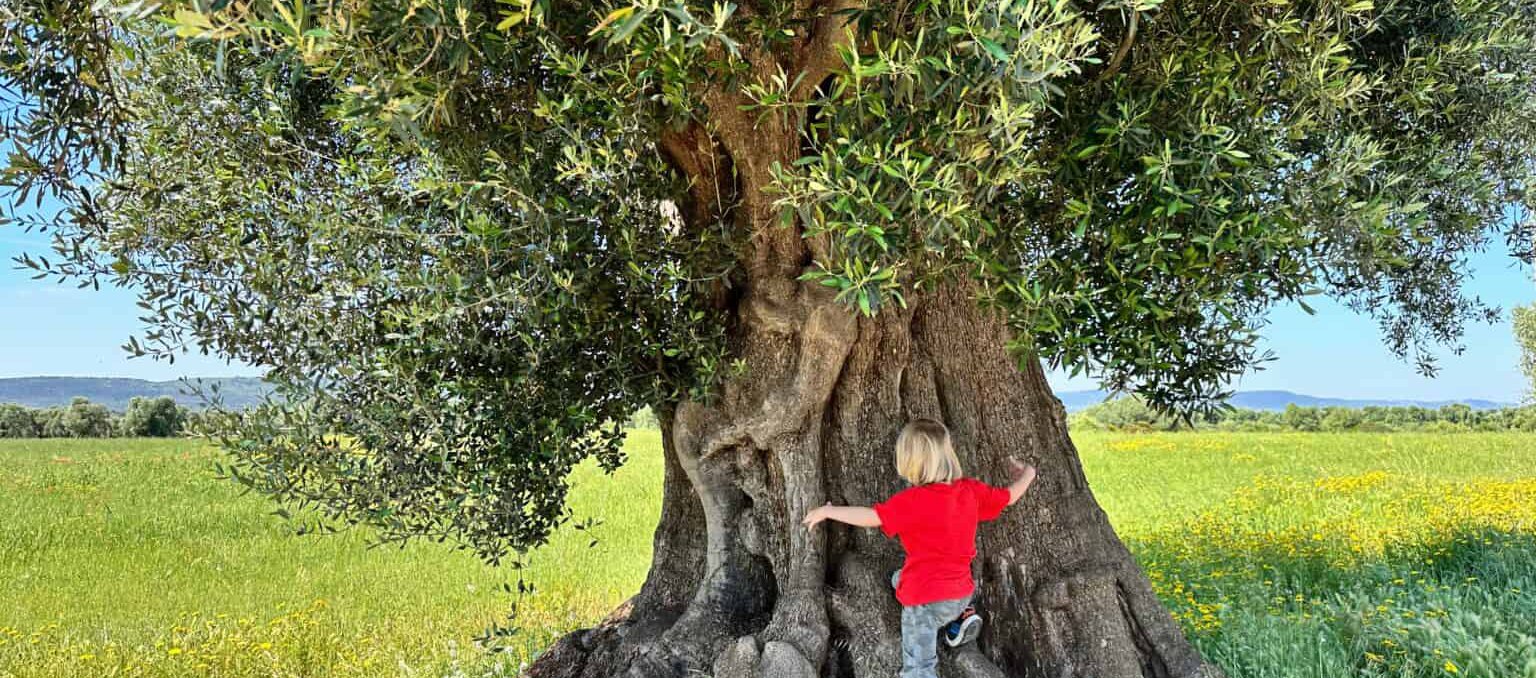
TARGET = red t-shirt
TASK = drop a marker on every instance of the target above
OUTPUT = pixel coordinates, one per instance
(936, 524)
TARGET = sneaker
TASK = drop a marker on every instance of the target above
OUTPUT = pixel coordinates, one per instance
(963, 629)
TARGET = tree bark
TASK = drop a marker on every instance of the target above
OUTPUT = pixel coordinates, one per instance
(738, 589)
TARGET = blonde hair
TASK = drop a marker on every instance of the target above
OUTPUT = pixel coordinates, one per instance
(925, 455)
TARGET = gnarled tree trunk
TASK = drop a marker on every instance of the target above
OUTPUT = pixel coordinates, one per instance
(739, 589)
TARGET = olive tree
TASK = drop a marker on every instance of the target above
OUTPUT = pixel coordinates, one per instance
(468, 238)
(153, 417)
(82, 419)
(50, 423)
(17, 421)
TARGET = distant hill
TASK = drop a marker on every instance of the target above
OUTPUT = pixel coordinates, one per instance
(1277, 400)
(236, 392)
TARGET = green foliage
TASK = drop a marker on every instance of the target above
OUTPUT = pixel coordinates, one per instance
(18, 422)
(1341, 419)
(1304, 419)
(463, 238)
(1525, 336)
(50, 423)
(84, 419)
(1133, 414)
(145, 418)
(1123, 414)
(152, 418)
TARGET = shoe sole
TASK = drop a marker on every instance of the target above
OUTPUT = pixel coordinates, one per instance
(970, 629)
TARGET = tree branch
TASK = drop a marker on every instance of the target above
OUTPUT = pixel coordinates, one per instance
(1125, 48)
(817, 51)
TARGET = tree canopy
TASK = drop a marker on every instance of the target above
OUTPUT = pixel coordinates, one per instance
(470, 237)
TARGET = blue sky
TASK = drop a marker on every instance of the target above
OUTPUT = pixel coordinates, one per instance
(54, 329)
(59, 330)
(1337, 353)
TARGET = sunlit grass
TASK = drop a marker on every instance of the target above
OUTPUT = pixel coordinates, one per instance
(1338, 555)
(1295, 555)
(128, 557)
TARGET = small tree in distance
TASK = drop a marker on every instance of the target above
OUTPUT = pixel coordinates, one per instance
(1127, 414)
(85, 419)
(50, 423)
(17, 421)
(153, 417)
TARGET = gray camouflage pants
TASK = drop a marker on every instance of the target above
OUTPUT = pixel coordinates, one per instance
(920, 626)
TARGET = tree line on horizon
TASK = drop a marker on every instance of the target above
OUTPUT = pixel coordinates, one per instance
(162, 417)
(1133, 414)
(158, 417)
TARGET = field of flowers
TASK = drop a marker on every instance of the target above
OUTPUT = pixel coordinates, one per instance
(1283, 555)
(1379, 556)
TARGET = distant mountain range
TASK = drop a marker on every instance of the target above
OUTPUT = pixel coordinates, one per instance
(236, 392)
(1277, 400)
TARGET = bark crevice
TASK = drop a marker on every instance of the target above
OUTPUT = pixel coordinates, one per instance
(1152, 664)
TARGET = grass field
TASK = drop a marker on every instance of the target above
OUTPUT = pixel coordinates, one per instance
(1296, 555)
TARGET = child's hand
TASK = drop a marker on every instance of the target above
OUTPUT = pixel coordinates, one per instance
(815, 515)
(1018, 469)
(1023, 476)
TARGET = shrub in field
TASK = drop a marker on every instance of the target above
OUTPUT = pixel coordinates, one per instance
(1125, 414)
(1301, 418)
(153, 418)
(84, 419)
(18, 422)
(1341, 419)
(50, 423)
(645, 417)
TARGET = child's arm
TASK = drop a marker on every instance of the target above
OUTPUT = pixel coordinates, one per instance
(858, 516)
(1023, 476)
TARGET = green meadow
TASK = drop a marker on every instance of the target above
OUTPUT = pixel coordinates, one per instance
(1294, 555)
